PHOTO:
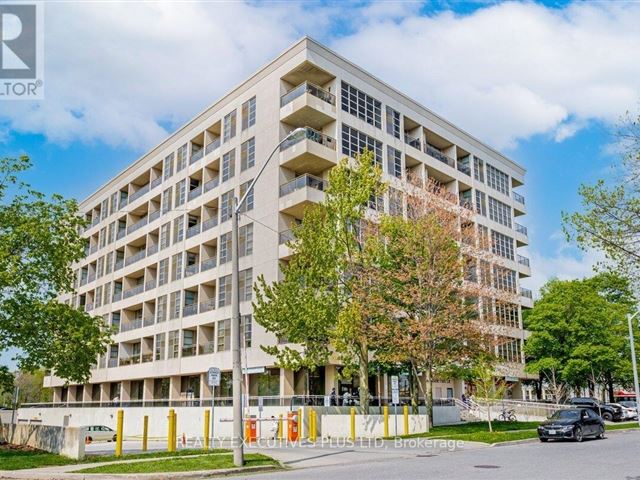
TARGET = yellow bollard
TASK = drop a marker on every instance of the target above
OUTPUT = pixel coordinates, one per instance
(385, 413)
(175, 431)
(312, 425)
(280, 430)
(405, 413)
(119, 433)
(145, 432)
(207, 422)
(353, 423)
(171, 435)
(300, 424)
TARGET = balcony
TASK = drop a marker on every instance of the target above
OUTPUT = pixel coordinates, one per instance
(299, 193)
(308, 105)
(153, 216)
(526, 297)
(189, 350)
(518, 198)
(121, 233)
(117, 296)
(156, 182)
(523, 261)
(208, 305)
(119, 264)
(140, 192)
(148, 321)
(285, 237)
(206, 348)
(147, 357)
(132, 325)
(309, 151)
(132, 360)
(149, 285)
(195, 193)
(194, 230)
(138, 225)
(151, 249)
(208, 264)
(212, 146)
(134, 258)
(113, 362)
(438, 155)
(412, 142)
(190, 270)
(211, 184)
(196, 156)
(190, 310)
(133, 291)
(93, 249)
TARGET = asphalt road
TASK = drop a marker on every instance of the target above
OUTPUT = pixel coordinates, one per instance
(615, 458)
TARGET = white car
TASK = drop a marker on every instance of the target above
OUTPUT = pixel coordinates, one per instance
(628, 413)
(629, 407)
(100, 433)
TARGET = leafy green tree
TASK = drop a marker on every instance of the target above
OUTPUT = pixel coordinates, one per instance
(39, 241)
(315, 306)
(579, 333)
(488, 386)
(30, 388)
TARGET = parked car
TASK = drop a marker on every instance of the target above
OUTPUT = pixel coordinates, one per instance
(100, 433)
(628, 412)
(608, 413)
(572, 423)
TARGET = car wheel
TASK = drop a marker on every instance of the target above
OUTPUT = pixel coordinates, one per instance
(114, 438)
(600, 432)
(607, 416)
(578, 435)
(544, 440)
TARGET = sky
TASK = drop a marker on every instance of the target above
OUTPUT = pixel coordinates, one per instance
(544, 83)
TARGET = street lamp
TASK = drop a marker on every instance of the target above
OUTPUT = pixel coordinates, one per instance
(633, 363)
(238, 455)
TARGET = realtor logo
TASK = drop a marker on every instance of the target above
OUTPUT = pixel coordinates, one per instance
(21, 51)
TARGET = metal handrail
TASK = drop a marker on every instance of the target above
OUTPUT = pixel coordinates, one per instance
(306, 180)
(309, 133)
(307, 87)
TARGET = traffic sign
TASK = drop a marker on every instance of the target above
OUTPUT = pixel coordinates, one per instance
(395, 390)
(213, 377)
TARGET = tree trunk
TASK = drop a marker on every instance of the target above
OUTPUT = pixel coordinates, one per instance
(413, 390)
(610, 387)
(363, 370)
(489, 416)
(539, 389)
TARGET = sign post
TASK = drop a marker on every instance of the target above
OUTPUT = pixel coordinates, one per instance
(395, 399)
(213, 380)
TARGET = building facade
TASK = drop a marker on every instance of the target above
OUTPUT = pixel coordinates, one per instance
(158, 263)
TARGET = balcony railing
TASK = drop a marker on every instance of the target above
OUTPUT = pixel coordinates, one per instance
(194, 230)
(438, 155)
(212, 146)
(91, 278)
(190, 270)
(521, 229)
(88, 306)
(523, 261)
(141, 191)
(206, 348)
(518, 198)
(147, 357)
(149, 285)
(207, 305)
(464, 168)
(95, 221)
(113, 362)
(134, 258)
(123, 203)
(117, 296)
(132, 325)
(153, 216)
(211, 184)
(132, 360)
(208, 264)
(525, 292)
(93, 249)
(212, 222)
(189, 350)
(285, 236)
(151, 249)
(195, 193)
(138, 225)
(155, 182)
(301, 182)
(196, 156)
(189, 310)
(133, 291)
(309, 134)
(119, 264)
(307, 87)
(148, 321)
(121, 233)
(411, 141)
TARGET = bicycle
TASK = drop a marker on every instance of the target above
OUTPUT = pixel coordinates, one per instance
(507, 416)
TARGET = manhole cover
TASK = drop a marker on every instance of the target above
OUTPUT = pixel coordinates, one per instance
(486, 466)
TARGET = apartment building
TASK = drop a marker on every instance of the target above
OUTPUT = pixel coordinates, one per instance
(158, 267)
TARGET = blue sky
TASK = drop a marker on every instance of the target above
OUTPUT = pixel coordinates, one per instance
(545, 83)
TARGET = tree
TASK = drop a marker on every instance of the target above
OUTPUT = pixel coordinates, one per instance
(39, 241)
(314, 306)
(30, 388)
(610, 220)
(487, 386)
(579, 333)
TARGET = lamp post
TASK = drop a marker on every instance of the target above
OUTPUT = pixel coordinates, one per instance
(633, 363)
(238, 455)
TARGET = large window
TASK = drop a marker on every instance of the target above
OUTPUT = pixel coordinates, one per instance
(178, 229)
(499, 212)
(165, 232)
(166, 200)
(497, 179)
(507, 314)
(481, 203)
(229, 126)
(245, 330)
(509, 350)
(245, 240)
(176, 266)
(161, 309)
(249, 113)
(160, 346)
(246, 284)
(248, 203)
(228, 165)
(168, 166)
(354, 142)
(224, 335)
(174, 344)
(180, 193)
(163, 271)
(226, 206)
(478, 169)
(225, 248)
(393, 122)
(181, 158)
(361, 105)
(504, 278)
(224, 291)
(395, 202)
(175, 305)
(248, 154)
(502, 245)
(394, 162)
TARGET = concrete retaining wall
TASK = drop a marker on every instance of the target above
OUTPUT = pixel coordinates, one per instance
(369, 426)
(64, 441)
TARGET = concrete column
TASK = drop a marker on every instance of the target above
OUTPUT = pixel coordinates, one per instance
(174, 388)
(125, 390)
(86, 395)
(286, 382)
(205, 389)
(330, 379)
(71, 394)
(57, 394)
(147, 389)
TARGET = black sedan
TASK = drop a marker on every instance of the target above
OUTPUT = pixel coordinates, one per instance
(574, 424)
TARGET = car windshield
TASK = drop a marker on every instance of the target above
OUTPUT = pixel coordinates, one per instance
(562, 414)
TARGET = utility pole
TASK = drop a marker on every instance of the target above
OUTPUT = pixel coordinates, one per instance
(237, 440)
(634, 363)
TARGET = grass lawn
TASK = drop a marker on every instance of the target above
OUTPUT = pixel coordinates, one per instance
(479, 432)
(622, 426)
(20, 459)
(207, 462)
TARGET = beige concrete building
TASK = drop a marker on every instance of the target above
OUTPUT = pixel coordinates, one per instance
(158, 263)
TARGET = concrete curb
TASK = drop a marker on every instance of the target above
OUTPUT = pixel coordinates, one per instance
(223, 472)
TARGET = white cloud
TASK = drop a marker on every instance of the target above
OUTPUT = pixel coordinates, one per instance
(118, 72)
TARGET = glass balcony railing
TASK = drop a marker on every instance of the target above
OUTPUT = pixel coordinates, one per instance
(523, 261)
(208, 264)
(285, 236)
(140, 192)
(119, 264)
(211, 184)
(518, 198)
(307, 87)
(189, 310)
(151, 249)
(133, 291)
(132, 360)
(464, 168)
(190, 270)
(196, 156)
(147, 357)
(154, 216)
(148, 321)
(189, 351)
(138, 225)
(208, 305)
(149, 285)
(521, 229)
(413, 142)
(302, 182)
(117, 296)
(208, 347)
(438, 155)
(155, 182)
(212, 146)
(309, 134)
(194, 230)
(195, 193)
(121, 233)
(212, 222)
(134, 258)
(525, 292)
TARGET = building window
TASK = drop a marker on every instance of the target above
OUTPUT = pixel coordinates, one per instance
(224, 335)
(229, 126)
(483, 237)
(174, 344)
(226, 206)
(499, 212)
(245, 240)
(354, 142)
(176, 266)
(166, 200)
(478, 169)
(108, 263)
(504, 278)
(509, 350)
(497, 179)
(393, 122)
(225, 248)
(167, 167)
(181, 158)
(502, 245)
(224, 291)
(103, 237)
(113, 203)
(481, 203)
(248, 154)
(181, 192)
(249, 113)
(161, 309)
(395, 202)
(178, 229)
(507, 314)
(245, 281)
(361, 105)
(245, 330)
(163, 272)
(159, 346)
(376, 202)
(175, 304)
(100, 267)
(164, 235)
(112, 233)
(394, 162)
(104, 209)
(228, 165)
(248, 203)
